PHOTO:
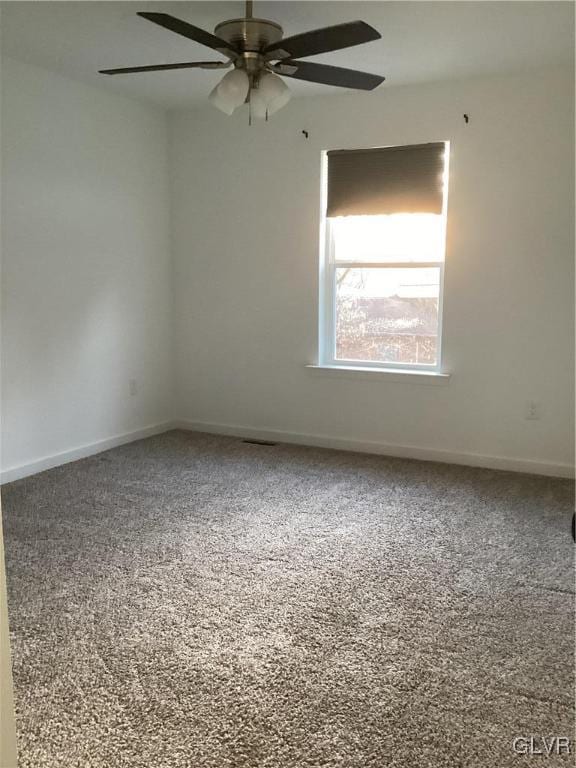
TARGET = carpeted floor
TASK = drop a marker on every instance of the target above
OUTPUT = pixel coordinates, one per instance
(191, 601)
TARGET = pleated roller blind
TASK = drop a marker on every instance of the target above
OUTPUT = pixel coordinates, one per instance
(386, 180)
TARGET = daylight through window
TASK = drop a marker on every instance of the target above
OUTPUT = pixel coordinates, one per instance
(383, 271)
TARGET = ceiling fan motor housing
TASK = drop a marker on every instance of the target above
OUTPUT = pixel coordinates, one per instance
(250, 37)
(248, 34)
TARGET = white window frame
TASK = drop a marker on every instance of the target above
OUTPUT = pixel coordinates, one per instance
(327, 300)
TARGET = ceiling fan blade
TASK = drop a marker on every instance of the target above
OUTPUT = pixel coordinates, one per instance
(322, 40)
(160, 67)
(322, 73)
(191, 32)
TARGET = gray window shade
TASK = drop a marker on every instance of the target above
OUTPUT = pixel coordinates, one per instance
(388, 180)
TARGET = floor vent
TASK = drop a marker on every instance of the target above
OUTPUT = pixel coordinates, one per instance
(258, 442)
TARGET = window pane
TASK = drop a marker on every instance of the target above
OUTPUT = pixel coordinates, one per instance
(387, 315)
(398, 237)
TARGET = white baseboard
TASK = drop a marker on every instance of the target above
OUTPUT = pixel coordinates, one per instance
(48, 462)
(370, 446)
(321, 441)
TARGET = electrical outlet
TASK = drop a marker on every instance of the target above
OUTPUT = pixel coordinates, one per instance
(133, 386)
(533, 410)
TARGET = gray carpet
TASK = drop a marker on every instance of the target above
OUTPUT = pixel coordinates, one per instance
(191, 601)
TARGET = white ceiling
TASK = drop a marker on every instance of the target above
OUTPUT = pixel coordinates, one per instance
(421, 41)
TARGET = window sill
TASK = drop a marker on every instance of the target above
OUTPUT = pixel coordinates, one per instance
(392, 375)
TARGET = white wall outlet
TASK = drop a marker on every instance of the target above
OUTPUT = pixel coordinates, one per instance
(533, 410)
(133, 386)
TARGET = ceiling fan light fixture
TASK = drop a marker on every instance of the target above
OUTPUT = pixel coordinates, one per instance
(234, 87)
(274, 92)
(258, 105)
(220, 101)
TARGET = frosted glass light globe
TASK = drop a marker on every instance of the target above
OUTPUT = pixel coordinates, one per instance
(258, 106)
(234, 87)
(273, 91)
(219, 100)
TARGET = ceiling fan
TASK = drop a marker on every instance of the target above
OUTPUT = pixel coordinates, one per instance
(259, 54)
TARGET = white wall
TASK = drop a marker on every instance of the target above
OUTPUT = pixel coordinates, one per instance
(86, 271)
(86, 266)
(246, 218)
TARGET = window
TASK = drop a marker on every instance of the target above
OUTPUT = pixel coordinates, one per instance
(383, 261)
